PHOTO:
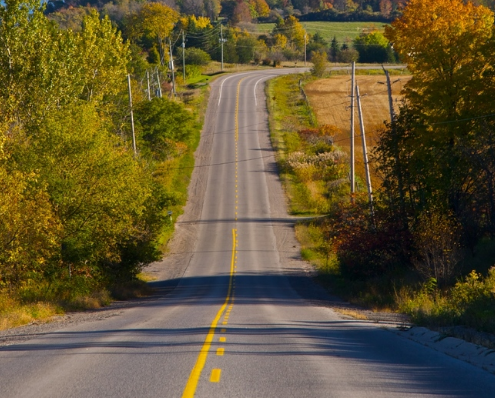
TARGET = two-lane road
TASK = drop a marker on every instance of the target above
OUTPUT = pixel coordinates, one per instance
(234, 326)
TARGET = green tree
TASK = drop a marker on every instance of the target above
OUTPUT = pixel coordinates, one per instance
(161, 125)
(334, 49)
(153, 21)
(373, 47)
(319, 60)
(245, 48)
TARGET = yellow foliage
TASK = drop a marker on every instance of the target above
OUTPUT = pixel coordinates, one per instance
(430, 33)
(191, 22)
(446, 45)
(280, 41)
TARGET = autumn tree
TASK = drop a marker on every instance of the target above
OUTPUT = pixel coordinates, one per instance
(319, 60)
(292, 30)
(153, 21)
(436, 154)
(442, 43)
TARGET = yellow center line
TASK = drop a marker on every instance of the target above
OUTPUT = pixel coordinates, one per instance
(215, 375)
(192, 382)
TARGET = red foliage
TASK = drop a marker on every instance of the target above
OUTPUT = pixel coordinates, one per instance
(366, 246)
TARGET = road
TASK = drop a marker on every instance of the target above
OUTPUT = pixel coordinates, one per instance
(241, 320)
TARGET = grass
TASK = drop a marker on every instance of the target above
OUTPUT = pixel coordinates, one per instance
(345, 32)
(351, 313)
(289, 113)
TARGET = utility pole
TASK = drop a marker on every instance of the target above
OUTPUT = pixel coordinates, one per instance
(183, 58)
(390, 100)
(305, 36)
(148, 80)
(171, 65)
(365, 150)
(132, 115)
(353, 183)
(159, 91)
(222, 40)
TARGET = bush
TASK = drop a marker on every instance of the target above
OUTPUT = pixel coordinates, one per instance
(368, 246)
(319, 60)
(195, 56)
(347, 56)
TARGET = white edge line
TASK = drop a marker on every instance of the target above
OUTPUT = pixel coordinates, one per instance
(251, 73)
(255, 98)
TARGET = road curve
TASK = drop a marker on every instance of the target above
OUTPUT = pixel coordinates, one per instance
(241, 320)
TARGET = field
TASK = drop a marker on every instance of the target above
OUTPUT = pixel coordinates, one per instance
(343, 31)
(330, 101)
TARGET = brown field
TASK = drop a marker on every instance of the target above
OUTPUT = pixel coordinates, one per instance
(330, 100)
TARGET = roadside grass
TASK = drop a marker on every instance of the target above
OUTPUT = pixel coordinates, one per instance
(13, 313)
(351, 313)
(289, 113)
(345, 32)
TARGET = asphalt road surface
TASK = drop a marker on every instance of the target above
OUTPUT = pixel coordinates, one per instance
(235, 324)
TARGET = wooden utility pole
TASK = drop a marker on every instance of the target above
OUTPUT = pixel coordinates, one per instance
(183, 58)
(305, 36)
(148, 80)
(159, 83)
(390, 100)
(352, 177)
(365, 150)
(171, 65)
(132, 115)
(221, 42)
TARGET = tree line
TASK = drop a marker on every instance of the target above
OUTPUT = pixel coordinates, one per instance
(79, 209)
(434, 213)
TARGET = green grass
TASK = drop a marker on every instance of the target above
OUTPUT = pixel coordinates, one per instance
(289, 113)
(197, 80)
(343, 31)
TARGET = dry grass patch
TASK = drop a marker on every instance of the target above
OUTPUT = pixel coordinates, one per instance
(351, 313)
(330, 101)
(14, 314)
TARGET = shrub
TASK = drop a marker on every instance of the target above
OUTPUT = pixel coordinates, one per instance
(367, 246)
(195, 56)
(436, 239)
(319, 60)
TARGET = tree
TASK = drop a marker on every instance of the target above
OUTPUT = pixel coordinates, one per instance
(195, 56)
(292, 30)
(245, 48)
(319, 60)
(154, 21)
(161, 124)
(372, 47)
(442, 42)
(241, 13)
(259, 8)
(103, 58)
(334, 49)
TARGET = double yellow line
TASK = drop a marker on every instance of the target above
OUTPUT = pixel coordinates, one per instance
(195, 374)
(192, 383)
